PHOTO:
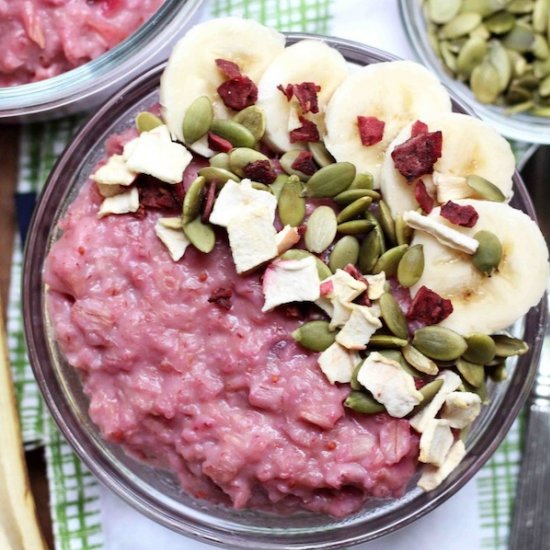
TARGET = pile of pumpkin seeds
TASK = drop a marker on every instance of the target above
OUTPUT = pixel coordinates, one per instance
(500, 48)
(355, 227)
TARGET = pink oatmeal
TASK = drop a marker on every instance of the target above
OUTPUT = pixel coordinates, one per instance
(223, 397)
(44, 38)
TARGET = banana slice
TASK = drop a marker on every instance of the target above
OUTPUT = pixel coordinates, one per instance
(481, 303)
(191, 70)
(396, 92)
(470, 146)
(305, 61)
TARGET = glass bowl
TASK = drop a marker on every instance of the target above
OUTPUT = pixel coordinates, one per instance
(520, 126)
(156, 493)
(91, 84)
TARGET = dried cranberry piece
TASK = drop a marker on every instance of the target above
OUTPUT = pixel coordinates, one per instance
(417, 156)
(154, 194)
(428, 307)
(307, 132)
(371, 129)
(221, 297)
(287, 90)
(326, 288)
(305, 93)
(228, 68)
(238, 93)
(355, 273)
(422, 197)
(463, 215)
(261, 171)
(217, 143)
(304, 163)
(209, 201)
(419, 127)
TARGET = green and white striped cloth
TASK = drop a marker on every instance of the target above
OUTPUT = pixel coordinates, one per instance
(77, 501)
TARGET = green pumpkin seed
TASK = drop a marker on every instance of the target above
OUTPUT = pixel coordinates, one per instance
(220, 160)
(528, 81)
(321, 229)
(411, 266)
(362, 181)
(471, 55)
(516, 94)
(500, 23)
(345, 251)
(481, 31)
(369, 216)
(389, 261)
(460, 25)
(260, 186)
(315, 335)
(483, 7)
(331, 180)
(197, 120)
(386, 341)
(369, 252)
(354, 209)
(520, 107)
(540, 47)
(237, 134)
(489, 252)
(507, 346)
(541, 68)
(393, 316)
(277, 186)
(355, 227)
(403, 233)
(485, 82)
(291, 205)
(201, 235)
(241, 157)
(359, 401)
(484, 189)
(211, 173)
(430, 390)
(520, 6)
(253, 119)
(193, 200)
(473, 374)
(521, 38)
(442, 12)
(397, 356)
(544, 88)
(354, 383)
(456, 45)
(481, 348)
(449, 58)
(541, 15)
(497, 373)
(296, 254)
(146, 121)
(518, 62)
(439, 343)
(541, 111)
(481, 390)
(351, 195)
(419, 361)
(499, 58)
(320, 153)
(287, 160)
(386, 222)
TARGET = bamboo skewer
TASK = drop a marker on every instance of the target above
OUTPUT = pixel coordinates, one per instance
(18, 524)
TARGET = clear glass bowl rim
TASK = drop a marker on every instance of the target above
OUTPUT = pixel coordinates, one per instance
(196, 524)
(521, 126)
(56, 95)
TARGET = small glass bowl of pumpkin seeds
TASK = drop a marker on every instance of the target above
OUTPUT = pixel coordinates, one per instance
(494, 54)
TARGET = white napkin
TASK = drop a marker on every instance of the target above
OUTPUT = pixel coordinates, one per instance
(455, 525)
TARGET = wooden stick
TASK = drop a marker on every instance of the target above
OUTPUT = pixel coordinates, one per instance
(18, 524)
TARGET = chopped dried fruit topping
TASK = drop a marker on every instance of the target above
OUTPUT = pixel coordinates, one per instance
(238, 93)
(217, 143)
(371, 130)
(350, 269)
(416, 156)
(153, 194)
(304, 163)
(307, 132)
(228, 68)
(326, 287)
(428, 307)
(419, 127)
(221, 297)
(305, 93)
(425, 201)
(463, 215)
(209, 201)
(260, 171)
